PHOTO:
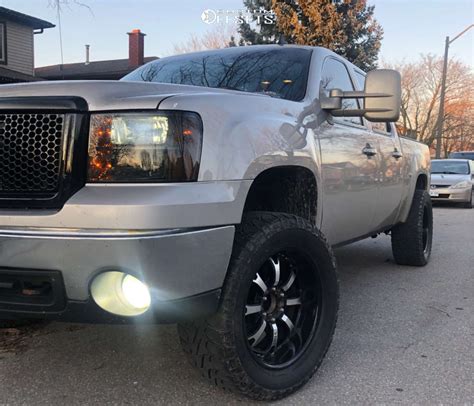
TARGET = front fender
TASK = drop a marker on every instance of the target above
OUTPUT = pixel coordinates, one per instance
(246, 134)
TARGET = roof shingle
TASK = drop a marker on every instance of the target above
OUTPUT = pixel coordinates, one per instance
(114, 68)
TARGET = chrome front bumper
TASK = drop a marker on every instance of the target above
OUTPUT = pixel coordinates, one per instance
(175, 264)
(179, 266)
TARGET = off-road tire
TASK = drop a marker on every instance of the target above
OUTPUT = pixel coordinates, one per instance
(218, 346)
(410, 243)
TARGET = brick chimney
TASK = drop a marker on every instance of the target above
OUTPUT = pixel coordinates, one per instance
(136, 48)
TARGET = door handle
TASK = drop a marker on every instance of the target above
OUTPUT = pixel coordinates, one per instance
(397, 154)
(368, 150)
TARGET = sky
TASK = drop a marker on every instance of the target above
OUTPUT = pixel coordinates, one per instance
(411, 27)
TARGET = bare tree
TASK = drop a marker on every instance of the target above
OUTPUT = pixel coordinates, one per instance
(59, 5)
(219, 37)
(421, 85)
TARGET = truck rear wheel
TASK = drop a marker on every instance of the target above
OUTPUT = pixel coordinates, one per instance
(412, 240)
(278, 310)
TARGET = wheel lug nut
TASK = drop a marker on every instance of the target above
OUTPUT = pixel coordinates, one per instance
(282, 294)
(264, 314)
(273, 320)
(265, 298)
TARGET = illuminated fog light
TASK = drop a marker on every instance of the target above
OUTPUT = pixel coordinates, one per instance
(121, 294)
(136, 292)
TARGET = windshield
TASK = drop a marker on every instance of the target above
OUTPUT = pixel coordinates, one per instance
(277, 72)
(450, 167)
(462, 155)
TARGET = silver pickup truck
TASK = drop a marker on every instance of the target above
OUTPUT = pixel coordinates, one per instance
(208, 189)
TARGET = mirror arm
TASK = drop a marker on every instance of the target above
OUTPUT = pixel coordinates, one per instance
(348, 113)
(355, 112)
(355, 94)
(333, 102)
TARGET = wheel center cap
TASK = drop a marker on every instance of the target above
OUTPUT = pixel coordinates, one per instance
(273, 303)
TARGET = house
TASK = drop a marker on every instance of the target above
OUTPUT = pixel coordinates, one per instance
(17, 31)
(101, 70)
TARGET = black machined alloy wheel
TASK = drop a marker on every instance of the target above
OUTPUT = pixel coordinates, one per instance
(282, 309)
(278, 310)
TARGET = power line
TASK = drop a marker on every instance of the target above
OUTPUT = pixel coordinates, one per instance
(58, 9)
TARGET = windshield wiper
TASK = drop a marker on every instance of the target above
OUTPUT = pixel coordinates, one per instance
(268, 93)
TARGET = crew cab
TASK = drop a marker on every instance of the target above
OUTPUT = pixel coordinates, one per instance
(208, 189)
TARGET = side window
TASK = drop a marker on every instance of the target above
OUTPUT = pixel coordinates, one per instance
(384, 128)
(360, 79)
(3, 56)
(336, 76)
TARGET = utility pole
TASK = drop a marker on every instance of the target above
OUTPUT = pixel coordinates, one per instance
(440, 121)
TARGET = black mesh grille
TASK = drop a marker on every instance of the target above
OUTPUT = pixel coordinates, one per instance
(30, 153)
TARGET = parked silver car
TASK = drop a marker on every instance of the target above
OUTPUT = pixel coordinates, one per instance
(462, 155)
(452, 180)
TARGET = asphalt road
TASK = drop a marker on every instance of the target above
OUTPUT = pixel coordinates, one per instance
(405, 335)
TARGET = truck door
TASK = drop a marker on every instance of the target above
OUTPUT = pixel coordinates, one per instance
(348, 165)
(390, 181)
(389, 165)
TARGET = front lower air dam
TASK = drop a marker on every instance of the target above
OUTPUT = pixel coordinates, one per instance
(121, 294)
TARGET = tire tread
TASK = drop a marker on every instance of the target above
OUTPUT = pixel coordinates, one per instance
(407, 240)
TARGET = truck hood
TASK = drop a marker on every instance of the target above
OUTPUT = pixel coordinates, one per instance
(108, 95)
(447, 179)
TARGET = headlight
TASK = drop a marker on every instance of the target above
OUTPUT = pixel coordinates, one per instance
(461, 185)
(144, 147)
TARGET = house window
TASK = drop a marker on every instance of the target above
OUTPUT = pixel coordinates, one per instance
(3, 45)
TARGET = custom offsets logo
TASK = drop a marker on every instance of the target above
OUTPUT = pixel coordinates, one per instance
(260, 16)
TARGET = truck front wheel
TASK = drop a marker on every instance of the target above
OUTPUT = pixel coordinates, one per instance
(278, 310)
(412, 240)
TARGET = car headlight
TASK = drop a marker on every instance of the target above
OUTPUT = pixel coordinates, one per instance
(158, 146)
(461, 185)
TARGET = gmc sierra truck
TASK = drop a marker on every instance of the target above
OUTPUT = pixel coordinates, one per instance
(208, 190)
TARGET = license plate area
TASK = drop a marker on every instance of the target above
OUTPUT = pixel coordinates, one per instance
(434, 193)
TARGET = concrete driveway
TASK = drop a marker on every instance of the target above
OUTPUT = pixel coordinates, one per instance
(405, 335)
